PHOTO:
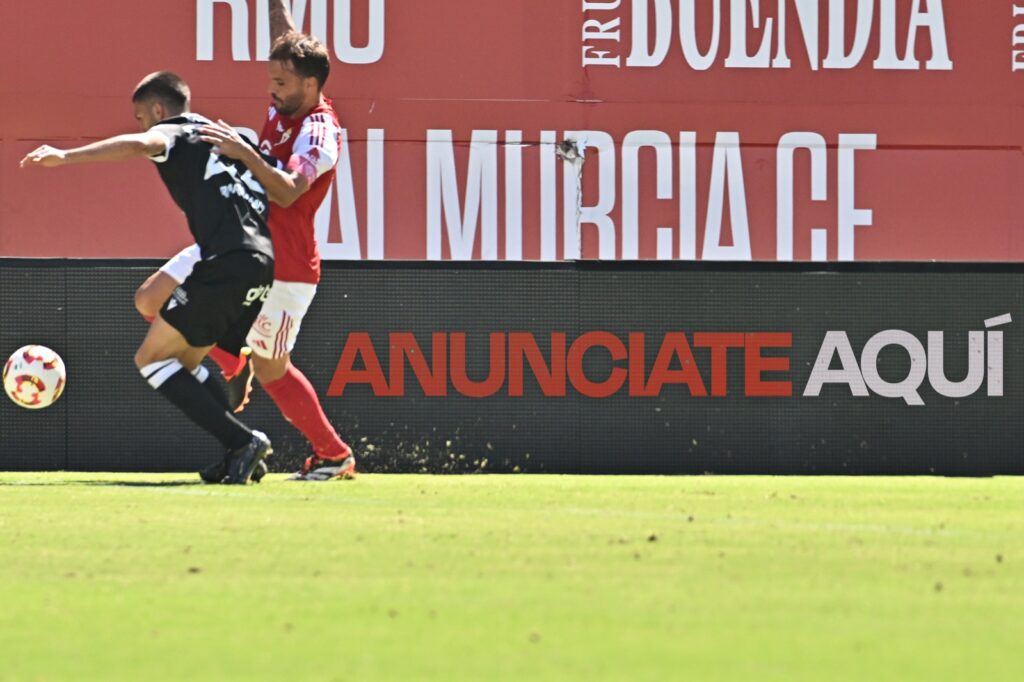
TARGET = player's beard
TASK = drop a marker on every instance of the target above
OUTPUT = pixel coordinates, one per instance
(287, 107)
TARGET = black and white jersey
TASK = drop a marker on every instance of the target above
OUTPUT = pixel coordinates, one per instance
(226, 207)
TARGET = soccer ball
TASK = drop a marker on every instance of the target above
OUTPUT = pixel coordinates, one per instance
(34, 377)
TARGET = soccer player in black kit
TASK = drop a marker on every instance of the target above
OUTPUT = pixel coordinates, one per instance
(226, 209)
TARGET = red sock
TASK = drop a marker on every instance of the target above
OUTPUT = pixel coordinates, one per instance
(229, 364)
(298, 403)
(149, 318)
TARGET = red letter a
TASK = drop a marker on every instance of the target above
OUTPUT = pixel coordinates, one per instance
(358, 344)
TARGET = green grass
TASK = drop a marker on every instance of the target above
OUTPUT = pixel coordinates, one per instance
(511, 578)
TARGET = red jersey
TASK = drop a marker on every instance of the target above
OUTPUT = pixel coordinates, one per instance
(311, 146)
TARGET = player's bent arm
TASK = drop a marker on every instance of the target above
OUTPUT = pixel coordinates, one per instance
(283, 186)
(115, 148)
(280, 19)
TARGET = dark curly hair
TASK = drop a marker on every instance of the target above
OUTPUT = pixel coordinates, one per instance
(307, 55)
(164, 87)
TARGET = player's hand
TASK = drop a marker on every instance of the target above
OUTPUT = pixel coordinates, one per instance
(225, 140)
(44, 157)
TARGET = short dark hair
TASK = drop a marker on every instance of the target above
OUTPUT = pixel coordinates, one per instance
(164, 87)
(307, 55)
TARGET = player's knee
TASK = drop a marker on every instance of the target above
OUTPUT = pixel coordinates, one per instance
(149, 353)
(143, 357)
(268, 370)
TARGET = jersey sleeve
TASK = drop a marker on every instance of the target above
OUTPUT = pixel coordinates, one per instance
(170, 132)
(317, 147)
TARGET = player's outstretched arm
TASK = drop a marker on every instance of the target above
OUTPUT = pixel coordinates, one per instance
(280, 19)
(111, 149)
(283, 186)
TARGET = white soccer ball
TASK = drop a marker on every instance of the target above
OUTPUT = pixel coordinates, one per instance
(34, 377)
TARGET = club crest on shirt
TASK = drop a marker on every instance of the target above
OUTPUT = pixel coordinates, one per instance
(264, 325)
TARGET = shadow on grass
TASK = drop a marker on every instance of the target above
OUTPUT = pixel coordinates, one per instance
(95, 482)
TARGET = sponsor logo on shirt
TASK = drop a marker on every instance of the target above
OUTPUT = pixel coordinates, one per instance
(178, 296)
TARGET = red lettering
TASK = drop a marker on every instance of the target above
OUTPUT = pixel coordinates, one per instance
(719, 343)
(404, 346)
(461, 381)
(637, 365)
(756, 364)
(358, 344)
(551, 380)
(675, 345)
(579, 380)
(551, 373)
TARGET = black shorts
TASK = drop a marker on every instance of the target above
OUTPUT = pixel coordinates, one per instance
(234, 340)
(220, 295)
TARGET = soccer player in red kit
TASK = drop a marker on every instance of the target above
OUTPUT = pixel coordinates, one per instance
(302, 132)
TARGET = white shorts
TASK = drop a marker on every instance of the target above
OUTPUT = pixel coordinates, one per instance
(180, 266)
(274, 332)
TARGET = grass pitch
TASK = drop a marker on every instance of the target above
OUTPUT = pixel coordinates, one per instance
(125, 577)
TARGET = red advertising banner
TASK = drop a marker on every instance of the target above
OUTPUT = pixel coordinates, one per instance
(558, 129)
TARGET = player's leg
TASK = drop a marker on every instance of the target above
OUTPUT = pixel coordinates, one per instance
(162, 359)
(296, 398)
(238, 383)
(216, 471)
(272, 338)
(214, 297)
(151, 296)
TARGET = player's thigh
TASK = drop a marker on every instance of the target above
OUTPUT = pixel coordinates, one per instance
(162, 342)
(276, 328)
(191, 358)
(269, 370)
